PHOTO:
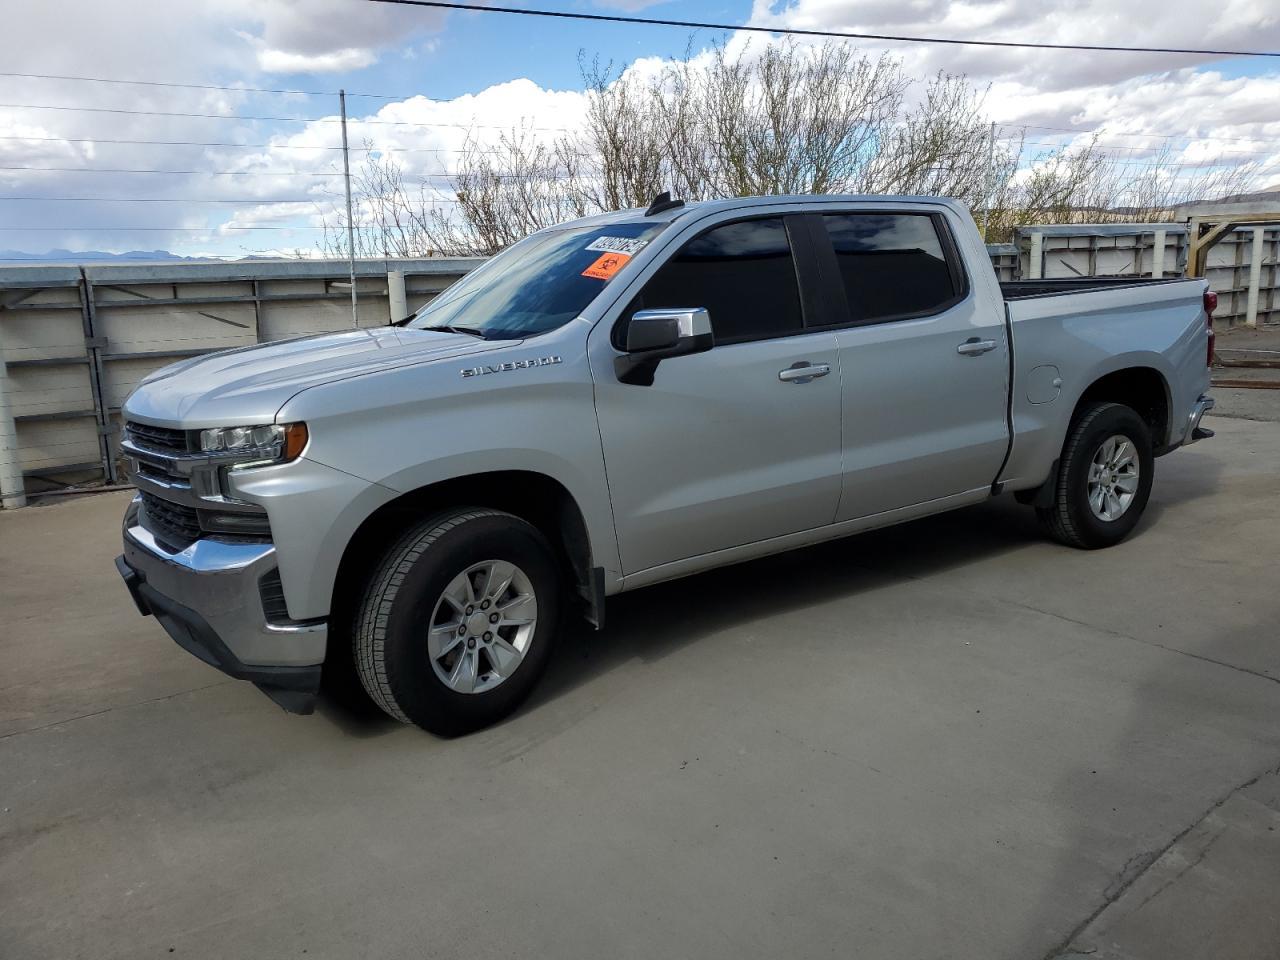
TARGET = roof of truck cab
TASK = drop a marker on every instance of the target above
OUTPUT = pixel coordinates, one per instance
(633, 214)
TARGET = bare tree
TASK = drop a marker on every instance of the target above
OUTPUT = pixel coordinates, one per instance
(504, 193)
(1165, 181)
(497, 195)
(795, 119)
(787, 118)
(386, 220)
(942, 146)
(622, 158)
(1057, 186)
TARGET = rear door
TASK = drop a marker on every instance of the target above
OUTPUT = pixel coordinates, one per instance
(924, 362)
(721, 451)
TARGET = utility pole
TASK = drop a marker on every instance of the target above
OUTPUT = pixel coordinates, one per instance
(986, 182)
(351, 227)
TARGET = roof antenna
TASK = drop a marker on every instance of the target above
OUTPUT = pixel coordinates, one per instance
(662, 202)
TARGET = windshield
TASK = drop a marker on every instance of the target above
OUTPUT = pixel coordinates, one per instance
(538, 284)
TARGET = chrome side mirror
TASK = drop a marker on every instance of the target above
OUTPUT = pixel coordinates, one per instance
(656, 335)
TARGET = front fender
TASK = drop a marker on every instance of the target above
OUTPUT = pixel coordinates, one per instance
(314, 510)
(408, 428)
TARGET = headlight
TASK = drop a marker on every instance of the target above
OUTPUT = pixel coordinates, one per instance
(255, 446)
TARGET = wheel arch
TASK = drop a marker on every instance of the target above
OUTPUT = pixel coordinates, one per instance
(1142, 388)
(534, 497)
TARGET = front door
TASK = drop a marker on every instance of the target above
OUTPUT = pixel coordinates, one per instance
(721, 450)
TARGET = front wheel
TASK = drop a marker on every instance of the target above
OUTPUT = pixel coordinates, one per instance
(1104, 478)
(458, 622)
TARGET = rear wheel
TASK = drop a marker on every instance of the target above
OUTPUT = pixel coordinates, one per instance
(458, 622)
(1104, 478)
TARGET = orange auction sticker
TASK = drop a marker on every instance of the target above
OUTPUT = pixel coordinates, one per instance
(606, 265)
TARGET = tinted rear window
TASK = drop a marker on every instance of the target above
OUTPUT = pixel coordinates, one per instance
(892, 265)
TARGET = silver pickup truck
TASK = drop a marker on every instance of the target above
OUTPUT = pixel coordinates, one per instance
(626, 399)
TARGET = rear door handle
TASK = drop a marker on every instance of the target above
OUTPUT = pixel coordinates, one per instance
(803, 371)
(973, 347)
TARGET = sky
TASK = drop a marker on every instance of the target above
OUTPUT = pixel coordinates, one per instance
(253, 171)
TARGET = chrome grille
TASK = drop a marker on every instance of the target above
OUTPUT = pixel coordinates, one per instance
(158, 438)
(173, 524)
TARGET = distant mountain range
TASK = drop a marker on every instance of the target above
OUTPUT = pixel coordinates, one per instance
(1262, 196)
(87, 256)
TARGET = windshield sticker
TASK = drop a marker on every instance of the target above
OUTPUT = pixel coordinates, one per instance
(606, 265)
(627, 245)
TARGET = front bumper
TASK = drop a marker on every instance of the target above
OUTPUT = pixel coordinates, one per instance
(1194, 431)
(207, 598)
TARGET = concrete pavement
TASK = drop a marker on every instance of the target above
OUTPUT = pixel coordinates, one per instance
(949, 739)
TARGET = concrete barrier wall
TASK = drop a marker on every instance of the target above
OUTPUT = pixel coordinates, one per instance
(1085, 250)
(74, 341)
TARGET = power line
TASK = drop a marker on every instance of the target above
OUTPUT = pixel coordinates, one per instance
(240, 146)
(1136, 147)
(210, 229)
(33, 168)
(214, 228)
(701, 25)
(239, 116)
(387, 96)
(202, 173)
(167, 83)
(206, 86)
(397, 149)
(1121, 133)
(99, 229)
(172, 143)
(162, 113)
(264, 201)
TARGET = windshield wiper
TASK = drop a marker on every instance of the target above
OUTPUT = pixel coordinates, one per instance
(450, 328)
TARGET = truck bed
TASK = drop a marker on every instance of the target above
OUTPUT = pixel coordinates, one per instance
(1025, 289)
(1067, 334)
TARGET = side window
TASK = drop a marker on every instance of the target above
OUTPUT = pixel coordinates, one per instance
(892, 265)
(744, 275)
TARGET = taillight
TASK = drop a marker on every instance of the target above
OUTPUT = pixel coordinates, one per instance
(1210, 305)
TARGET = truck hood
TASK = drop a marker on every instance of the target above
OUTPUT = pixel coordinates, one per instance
(249, 384)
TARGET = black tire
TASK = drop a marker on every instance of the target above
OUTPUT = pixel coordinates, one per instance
(1070, 520)
(395, 614)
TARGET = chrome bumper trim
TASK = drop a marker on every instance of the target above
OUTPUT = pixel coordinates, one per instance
(1191, 434)
(219, 581)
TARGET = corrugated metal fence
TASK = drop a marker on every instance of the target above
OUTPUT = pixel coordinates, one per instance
(75, 340)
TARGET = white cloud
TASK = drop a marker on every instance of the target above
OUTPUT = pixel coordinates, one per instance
(1137, 103)
(331, 61)
(232, 42)
(325, 36)
(1243, 24)
(1135, 100)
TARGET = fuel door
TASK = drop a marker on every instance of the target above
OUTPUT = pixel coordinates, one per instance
(1044, 383)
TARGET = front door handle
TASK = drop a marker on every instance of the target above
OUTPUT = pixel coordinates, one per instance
(973, 347)
(803, 371)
